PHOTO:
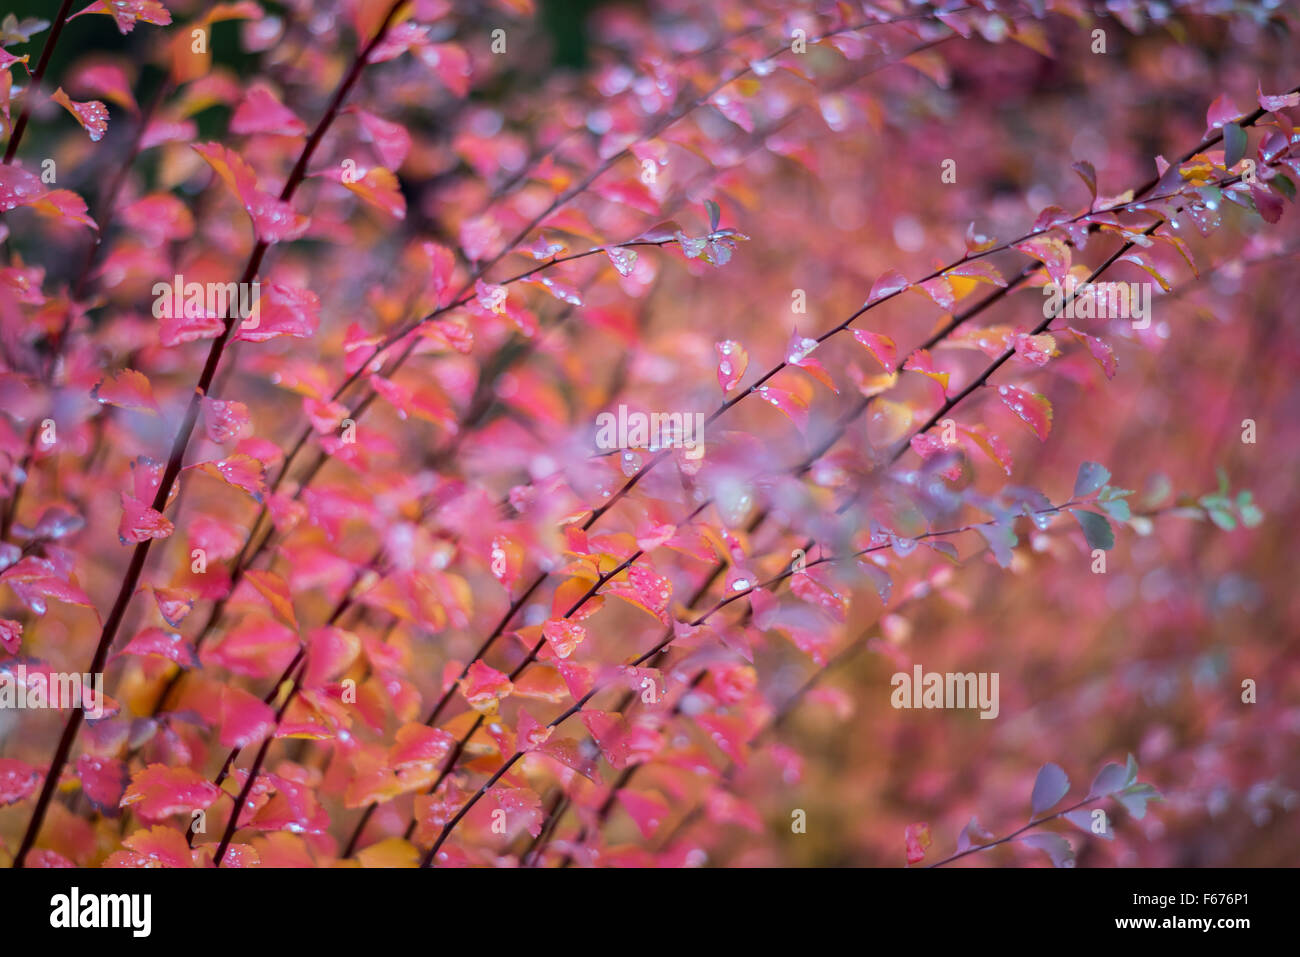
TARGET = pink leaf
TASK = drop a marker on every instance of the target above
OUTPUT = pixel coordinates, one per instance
(127, 12)
(241, 471)
(261, 112)
(245, 719)
(274, 220)
(624, 260)
(733, 360)
(794, 407)
(140, 522)
(1032, 408)
(646, 589)
(889, 284)
(1100, 351)
(224, 421)
(91, 114)
(1277, 102)
(646, 808)
(104, 781)
(282, 311)
(483, 687)
(1221, 112)
(160, 791)
(416, 744)
(921, 361)
(160, 643)
(11, 635)
(1051, 252)
(917, 839)
(563, 636)
(391, 140)
(377, 186)
(128, 389)
(882, 348)
(107, 80)
(17, 780)
(451, 64)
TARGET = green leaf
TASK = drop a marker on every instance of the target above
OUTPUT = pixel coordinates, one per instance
(1222, 519)
(1117, 509)
(1283, 185)
(715, 215)
(1234, 144)
(1158, 488)
(1090, 478)
(1096, 530)
(1135, 798)
(1249, 511)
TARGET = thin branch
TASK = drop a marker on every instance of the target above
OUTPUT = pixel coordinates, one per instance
(179, 445)
(20, 126)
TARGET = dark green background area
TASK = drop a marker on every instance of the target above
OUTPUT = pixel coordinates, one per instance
(564, 21)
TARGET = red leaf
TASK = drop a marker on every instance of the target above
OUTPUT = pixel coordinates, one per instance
(1036, 350)
(159, 218)
(257, 647)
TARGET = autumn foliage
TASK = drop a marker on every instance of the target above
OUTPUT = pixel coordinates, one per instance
(504, 434)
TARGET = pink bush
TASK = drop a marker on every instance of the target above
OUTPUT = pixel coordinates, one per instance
(422, 446)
